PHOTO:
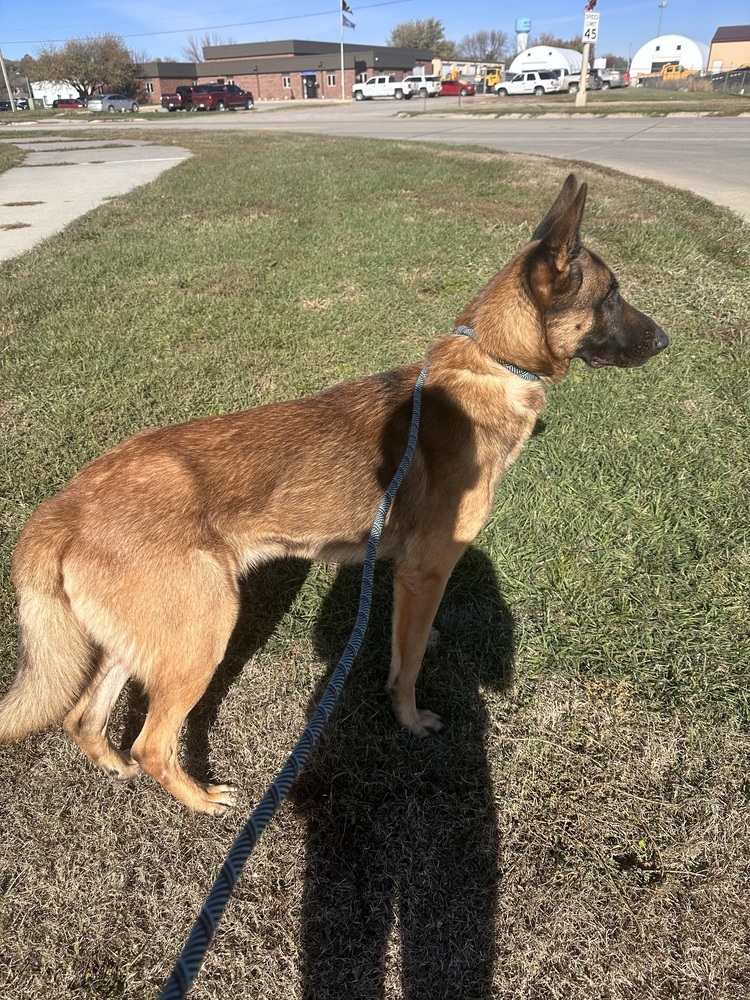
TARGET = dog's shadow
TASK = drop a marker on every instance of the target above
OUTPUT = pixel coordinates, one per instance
(402, 852)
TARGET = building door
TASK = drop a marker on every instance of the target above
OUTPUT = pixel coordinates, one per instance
(309, 85)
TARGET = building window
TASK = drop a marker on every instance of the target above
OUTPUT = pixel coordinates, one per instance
(286, 82)
(230, 81)
(149, 87)
(362, 77)
(658, 48)
(679, 47)
(331, 80)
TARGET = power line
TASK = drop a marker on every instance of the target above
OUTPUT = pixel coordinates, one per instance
(216, 27)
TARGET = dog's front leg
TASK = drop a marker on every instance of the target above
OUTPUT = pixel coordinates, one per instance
(419, 584)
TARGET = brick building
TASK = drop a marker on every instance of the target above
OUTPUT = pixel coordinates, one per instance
(285, 70)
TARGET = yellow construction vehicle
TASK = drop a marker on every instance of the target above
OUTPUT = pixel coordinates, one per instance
(671, 73)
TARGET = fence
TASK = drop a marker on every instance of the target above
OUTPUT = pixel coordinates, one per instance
(735, 81)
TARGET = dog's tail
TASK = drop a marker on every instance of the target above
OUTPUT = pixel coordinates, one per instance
(54, 653)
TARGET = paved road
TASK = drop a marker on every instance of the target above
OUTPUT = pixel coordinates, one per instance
(706, 155)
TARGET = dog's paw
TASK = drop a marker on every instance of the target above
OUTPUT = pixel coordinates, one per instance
(218, 799)
(126, 770)
(425, 723)
(120, 766)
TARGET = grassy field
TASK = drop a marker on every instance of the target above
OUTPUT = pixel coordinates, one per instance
(581, 828)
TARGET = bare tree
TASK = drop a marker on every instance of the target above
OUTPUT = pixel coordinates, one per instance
(193, 51)
(615, 62)
(484, 46)
(547, 38)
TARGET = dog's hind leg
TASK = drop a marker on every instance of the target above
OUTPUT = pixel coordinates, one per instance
(176, 678)
(156, 746)
(86, 723)
(419, 584)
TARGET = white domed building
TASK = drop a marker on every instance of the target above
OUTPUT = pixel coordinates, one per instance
(665, 49)
(546, 57)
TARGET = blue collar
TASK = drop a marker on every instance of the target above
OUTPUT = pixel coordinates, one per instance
(465, 331)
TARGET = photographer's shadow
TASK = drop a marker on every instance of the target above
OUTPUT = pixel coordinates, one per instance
(402, 856)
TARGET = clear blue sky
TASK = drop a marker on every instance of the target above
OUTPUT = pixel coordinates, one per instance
(160, 30)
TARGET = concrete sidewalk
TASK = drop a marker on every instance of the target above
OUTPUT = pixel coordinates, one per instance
(62, 178)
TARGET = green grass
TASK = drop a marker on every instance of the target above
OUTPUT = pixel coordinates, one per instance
(580, 829)
(621, 100)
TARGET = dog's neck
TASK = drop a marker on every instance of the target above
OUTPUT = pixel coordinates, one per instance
(465, 331)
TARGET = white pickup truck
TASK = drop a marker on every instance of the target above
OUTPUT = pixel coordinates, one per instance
(384, 86)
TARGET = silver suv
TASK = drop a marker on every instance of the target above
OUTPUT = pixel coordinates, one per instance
(543, 81)
(424, 86)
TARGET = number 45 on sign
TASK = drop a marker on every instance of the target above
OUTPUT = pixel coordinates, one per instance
(590, 26)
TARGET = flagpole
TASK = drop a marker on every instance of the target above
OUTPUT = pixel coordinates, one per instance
(341, 29)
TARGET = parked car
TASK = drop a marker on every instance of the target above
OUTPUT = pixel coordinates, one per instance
(383, 86)
(572, 82)
(20, 102)
(538, 82)
(180, 100)
(613, 78)
(68, 102)
(221, 97)
(424, 86)
(112, 102)
(454, 88)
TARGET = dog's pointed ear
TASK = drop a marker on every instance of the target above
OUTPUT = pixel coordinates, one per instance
(559, 242)
(562, 202)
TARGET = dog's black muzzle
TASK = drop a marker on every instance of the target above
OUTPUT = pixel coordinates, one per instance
(661, 340)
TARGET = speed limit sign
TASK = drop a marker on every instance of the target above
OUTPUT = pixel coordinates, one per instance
(590, 26)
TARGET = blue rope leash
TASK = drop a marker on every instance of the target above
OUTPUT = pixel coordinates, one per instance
(192, 955)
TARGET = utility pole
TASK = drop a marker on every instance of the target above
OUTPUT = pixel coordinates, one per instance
(7, 83)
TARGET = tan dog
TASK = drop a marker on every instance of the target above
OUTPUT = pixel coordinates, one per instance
(133, 569)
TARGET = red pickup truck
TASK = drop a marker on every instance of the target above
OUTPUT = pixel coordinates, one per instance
(208, 97)
(181, 100)
(221, 97)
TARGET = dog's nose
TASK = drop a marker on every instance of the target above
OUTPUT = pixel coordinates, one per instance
(661, 340)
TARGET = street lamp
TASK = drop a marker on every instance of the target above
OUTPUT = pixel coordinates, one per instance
(662, 5)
